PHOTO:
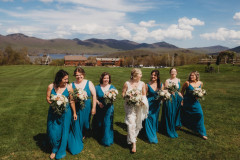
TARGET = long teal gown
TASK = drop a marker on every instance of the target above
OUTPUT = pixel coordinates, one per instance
(169, 115)
(178, 117)
(84, 114)
(75, 142)
(102, 123)
(151, 122)
(58, 128)
(192, 114)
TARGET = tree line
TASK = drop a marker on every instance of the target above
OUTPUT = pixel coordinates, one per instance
(8, 56)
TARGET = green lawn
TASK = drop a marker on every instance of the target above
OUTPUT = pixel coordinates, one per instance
(23, 116)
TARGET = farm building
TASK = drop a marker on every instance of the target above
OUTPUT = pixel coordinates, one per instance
(109, 61)
(75, 60)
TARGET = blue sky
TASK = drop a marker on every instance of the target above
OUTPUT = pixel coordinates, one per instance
(184, 23)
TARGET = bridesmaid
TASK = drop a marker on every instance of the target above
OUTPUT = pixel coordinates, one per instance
(102, 123)
(58, 126)
(85, 113)
(191, 113)
(135, 114)
(151, 123)
(170, 111)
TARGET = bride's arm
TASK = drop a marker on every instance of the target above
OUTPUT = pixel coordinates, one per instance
(125, 87)
(143, 89)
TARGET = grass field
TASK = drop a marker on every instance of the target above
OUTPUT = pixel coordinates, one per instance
(23, 116)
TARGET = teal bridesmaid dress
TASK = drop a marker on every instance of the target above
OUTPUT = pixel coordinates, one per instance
(84, 114)
(169, 115)
(58, 128)
(178, 117)
(151, 122)
(192, 114)
(75, 142)
(102, 123)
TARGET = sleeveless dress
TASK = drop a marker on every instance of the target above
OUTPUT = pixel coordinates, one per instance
(151, 122)
(102, 122)
(135, 115)
(169, 114)
(58, 128)
(84, 114)
(192, 114)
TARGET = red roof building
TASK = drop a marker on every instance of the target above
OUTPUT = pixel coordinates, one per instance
(75, 60)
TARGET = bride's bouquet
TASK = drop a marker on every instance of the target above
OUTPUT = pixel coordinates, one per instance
(199, 93)
(134, 97)
(79, 95)
(110, 96)
(59, 103)
(172, 87)
(163, 95)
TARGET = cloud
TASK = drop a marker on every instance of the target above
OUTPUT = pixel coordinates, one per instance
(186, 24)
(150, 23)
(237, 16)
(123, 33)
(222, 34)
(183, 30)
(7, 0)
(113, 5)
(46, 1)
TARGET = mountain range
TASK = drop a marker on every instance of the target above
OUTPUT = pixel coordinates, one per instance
(93, 46)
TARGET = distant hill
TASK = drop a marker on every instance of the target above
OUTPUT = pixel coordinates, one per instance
(93, 46)
(211, 49)
(236, 49)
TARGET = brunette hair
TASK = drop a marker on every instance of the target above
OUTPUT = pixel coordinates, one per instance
(102, 76)
(158, 78)
(172, 69)
(59, 76)
(80, 70)
(196, 73)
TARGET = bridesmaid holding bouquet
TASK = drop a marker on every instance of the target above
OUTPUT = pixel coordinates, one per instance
(151, 123)
(59, 114)
(191, 113)
(102, 123)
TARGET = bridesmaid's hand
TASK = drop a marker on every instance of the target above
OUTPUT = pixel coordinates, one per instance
(182, 103)
(180, 94)
(100, 105)
(93, 111)
(75, 117)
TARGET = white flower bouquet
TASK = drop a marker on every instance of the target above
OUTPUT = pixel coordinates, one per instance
(172, 87)
(134, 97)
(59, 103)
(79, 95)
(199, 93)
(163, 95)
(110, 96)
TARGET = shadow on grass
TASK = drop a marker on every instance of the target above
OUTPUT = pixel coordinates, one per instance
(121, 125)
(189, 132)
(41, 140)
(120, 139)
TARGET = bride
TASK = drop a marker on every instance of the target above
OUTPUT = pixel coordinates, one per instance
(135, 113)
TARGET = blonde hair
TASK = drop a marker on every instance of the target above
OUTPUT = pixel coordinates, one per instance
(196, 73)
(135, 72)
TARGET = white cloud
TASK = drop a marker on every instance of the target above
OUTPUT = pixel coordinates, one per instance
(150, 23)
(186, 24)
(46, 1)
(110, 5)
(123, 32)
(222, 34)
(182, 30)
(237, 16)
(28, 30)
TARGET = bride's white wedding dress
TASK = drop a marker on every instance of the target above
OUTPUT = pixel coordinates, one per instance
(135, 115)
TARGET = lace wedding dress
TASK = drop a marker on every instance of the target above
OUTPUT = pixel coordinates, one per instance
(135, 115)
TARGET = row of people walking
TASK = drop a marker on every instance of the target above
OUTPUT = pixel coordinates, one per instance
(70, 128)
